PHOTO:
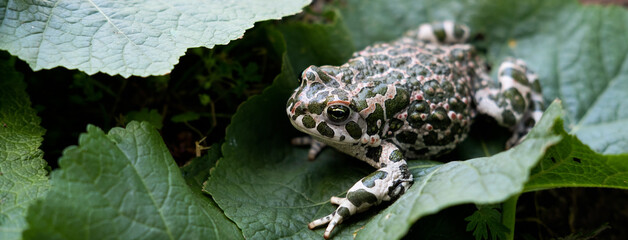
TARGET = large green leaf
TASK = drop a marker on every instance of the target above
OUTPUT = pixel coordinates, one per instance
(579, 52)
(580, 55)
(264, 184)
(278, 192)
(379, 20)
(483, 180)
(137, 37)
(123, 185)
(196, 171)
(479, 180)
(22, 175)
(315, 44)
(573, 164)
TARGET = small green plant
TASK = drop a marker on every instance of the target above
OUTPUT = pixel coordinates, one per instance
(487, 219)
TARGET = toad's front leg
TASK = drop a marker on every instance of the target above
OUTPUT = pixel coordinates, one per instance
(387, 183)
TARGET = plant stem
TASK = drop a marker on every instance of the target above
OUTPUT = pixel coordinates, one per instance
(509, 209)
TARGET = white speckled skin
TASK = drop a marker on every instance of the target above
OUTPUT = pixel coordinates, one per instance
(415, 97)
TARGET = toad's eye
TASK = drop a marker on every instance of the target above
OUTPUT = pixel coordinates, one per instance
(338, 114)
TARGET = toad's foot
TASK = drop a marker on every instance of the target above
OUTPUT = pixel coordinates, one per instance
(385, 184)
(516, 102)
(315, 146)
(445, 32)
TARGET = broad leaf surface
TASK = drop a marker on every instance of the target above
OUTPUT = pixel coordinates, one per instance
(265, 185)
(578, 51)
(278, 192)
(137, 37)
(479, 180)
(22, 175)
(196, 171)
(123, 185)
(573, 164)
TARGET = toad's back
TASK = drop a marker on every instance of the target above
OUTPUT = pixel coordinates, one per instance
(412, 93)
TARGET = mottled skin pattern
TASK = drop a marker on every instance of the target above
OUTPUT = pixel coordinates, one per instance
(412, 98)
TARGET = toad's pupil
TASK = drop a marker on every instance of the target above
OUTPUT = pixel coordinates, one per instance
(338, 113)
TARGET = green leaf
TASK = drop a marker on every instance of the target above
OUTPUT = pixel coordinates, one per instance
(316, 44)
(152, 116)
(384, 20)
(487, 219)
(480, 180)
(128, 37)
(266, 186)
(196, 171)
(279, 192)
(573, 164)
(185, 117)
(580, 56)
(22, 169)
(123, 185)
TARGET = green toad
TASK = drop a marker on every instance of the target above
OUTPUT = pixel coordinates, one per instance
(412, 98)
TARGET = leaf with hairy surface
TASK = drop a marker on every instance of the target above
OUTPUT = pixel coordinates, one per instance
(123, 185)
(136, 37)
(23, 178)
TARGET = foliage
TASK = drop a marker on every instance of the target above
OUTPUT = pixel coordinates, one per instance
(487, 219)
(22, 174)
(126, 184)
(126, 38)
(574, 164)
(151, 116)
(123, 184)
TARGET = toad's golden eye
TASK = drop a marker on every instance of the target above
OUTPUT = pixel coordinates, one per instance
(338, 114)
